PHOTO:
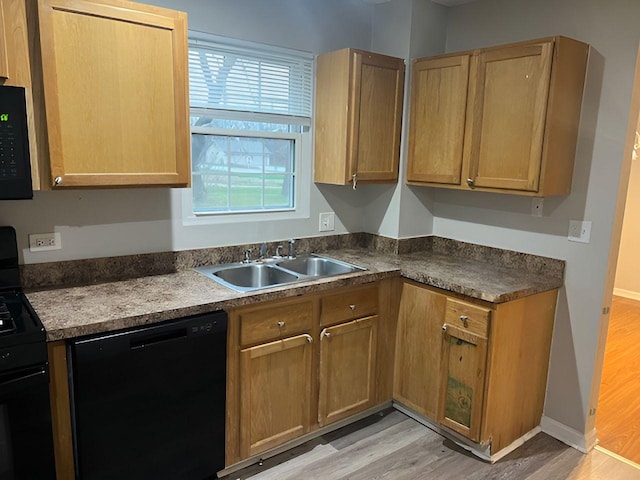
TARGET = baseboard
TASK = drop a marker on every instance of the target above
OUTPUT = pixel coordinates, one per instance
(573, 438)
(626, 293)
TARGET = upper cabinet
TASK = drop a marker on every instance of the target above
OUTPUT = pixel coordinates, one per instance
(358, 117)
(115, 86)
(502, 119)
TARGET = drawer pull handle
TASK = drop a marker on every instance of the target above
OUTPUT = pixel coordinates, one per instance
(444, 328)
(326, 334)
(352, 307)
(281, 324)
(465, 320)
(309, 339)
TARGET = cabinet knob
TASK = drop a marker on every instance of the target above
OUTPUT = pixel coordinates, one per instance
(57, 180)
(326, 334)
(444, 328)
(281, 324)
(352, 307)
(470, 182)
(309, 339)
(465, 320)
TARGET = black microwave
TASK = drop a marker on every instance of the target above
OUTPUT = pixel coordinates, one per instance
(15, 164)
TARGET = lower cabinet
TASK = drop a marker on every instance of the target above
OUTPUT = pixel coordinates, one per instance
(476, 368)
(275, 393)
(347, 369)
(296, 365)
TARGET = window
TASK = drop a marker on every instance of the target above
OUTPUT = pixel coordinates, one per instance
(250, 117)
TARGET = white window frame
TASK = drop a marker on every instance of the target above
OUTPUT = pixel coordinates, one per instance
(303, 154)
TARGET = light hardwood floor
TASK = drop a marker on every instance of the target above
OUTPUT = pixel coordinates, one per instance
(392, 446)
(618, 415)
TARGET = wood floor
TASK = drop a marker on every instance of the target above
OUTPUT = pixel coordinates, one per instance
(618, 414)
(392, 446)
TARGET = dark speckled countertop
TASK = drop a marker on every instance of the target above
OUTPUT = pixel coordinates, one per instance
(494, 276)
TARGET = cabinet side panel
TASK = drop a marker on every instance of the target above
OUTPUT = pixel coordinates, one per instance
(389, 301)
(418, 349)
(520, 342)
(61, 410)
(4, 65)
(563, 115)
(331, 114)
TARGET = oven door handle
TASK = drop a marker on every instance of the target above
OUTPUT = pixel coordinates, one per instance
(23, 379)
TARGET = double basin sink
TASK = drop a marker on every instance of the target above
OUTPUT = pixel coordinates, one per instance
(245, 277)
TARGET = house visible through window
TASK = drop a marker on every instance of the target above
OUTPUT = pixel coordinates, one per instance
(250, 113)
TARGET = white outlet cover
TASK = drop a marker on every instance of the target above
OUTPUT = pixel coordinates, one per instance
(579, 231)
(52, 241)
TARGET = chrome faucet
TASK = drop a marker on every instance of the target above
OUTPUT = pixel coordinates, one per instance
(247, 256)
(292, 249)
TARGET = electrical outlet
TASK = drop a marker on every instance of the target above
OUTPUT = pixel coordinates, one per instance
(327, 222)
(39, 242)
(536, 206)
(579, 231)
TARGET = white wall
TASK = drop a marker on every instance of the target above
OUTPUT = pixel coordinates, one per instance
(503, 221)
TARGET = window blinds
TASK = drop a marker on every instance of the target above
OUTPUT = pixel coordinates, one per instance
(239, 78)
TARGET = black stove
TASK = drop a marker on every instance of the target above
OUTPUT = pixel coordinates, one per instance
(26, 441)
(19, 324)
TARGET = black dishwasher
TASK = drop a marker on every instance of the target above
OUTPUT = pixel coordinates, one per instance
(149, 403)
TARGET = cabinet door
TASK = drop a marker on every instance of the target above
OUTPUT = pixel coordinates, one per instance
(275, 393)
(347, 368)
(438, 112)
(116, 97)
(508, 104)
(378, 86)
(464, 356)
(418, 345)
(4, 63)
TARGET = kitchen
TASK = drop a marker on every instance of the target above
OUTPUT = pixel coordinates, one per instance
(101, 223)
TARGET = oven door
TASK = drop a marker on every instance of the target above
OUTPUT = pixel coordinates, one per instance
(26, 442)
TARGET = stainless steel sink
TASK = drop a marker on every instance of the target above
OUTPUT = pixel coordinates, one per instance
(315, 266)
(245, 277)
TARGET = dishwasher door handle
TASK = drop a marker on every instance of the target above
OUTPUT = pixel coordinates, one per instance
(143, 341)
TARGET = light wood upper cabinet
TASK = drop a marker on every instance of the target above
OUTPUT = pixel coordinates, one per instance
(502, 119)
(358, 117)
(347, 369)
(438, 112)
(115, 83)
(478, 369)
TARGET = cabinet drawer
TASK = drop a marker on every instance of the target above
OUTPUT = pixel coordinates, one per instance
(467, 317)
(349, 304)
(272, 322)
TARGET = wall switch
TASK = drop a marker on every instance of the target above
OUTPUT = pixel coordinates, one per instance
(579, 231)
(536, 206)
(39, 242)
(327, 222)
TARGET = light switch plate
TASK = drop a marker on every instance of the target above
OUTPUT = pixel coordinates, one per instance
(579, 231)
(327, 222)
